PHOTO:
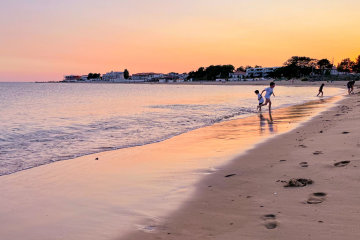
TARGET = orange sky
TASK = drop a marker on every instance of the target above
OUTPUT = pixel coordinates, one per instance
(45, 39)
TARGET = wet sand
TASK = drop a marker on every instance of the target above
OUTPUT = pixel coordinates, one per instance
(247, 199)
(105, 195)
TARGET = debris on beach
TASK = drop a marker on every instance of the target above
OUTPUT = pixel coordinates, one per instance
(299, 182)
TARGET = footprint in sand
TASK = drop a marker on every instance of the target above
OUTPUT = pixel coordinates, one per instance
(316, 198)
(230, 175)
(269, 221)
(317, 152)
(304, 164)
(341, 164)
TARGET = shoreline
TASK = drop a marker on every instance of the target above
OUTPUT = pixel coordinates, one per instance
(163, 139)
(253, 203)
(92, 191)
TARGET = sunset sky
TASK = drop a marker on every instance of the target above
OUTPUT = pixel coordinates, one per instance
(42, 40)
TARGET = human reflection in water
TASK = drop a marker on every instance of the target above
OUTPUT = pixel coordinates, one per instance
(263, 120)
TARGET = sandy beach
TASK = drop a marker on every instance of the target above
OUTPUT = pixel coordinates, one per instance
(247, 199)
(179, 120)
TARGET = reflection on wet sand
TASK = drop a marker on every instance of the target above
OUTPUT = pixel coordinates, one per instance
(266, 121)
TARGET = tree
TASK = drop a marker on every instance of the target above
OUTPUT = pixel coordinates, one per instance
(126, 74)
(277, 73)
(302, 62)
(324, 64)
(258, 66)
(356, 67)
(346, 65)
(93, 75)
(296, 67)
(241, 69)
(211, 72)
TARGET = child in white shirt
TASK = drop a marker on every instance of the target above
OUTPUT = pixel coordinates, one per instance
(260, 99)
(269, 91)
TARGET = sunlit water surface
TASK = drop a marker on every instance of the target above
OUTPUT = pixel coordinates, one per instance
(43, 123)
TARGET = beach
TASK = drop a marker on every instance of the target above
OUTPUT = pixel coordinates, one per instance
(179, 120)
(247, 198)
(217, 181)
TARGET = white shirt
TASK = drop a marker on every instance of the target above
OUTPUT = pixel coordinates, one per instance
(260, 98)
(269, 91)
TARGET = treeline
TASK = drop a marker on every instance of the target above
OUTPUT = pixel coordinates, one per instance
(294, 67)
(212, 72)
(297, 67)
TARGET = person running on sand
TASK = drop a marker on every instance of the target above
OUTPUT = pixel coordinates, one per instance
(260, 99)
(321, 90)
(269, 91)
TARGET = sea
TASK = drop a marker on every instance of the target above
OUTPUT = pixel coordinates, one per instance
(41, 123)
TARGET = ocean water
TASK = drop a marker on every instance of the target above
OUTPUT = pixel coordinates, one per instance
(42, 123)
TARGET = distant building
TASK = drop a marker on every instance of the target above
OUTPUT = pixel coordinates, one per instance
(237, 76)
(173, 77)
(260, 72)
(114, 77)
(334, 71)
(71, 78)
(146, 77)
(84, 77)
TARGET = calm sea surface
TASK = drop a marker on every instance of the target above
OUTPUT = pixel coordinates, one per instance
(43, 123)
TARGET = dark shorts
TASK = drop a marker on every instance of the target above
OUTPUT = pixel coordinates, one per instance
(261, 103)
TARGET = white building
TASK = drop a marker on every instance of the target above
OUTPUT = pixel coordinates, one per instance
(114, 77)
(237, 76)
(84, 77)
(146, 77)
(260, 72)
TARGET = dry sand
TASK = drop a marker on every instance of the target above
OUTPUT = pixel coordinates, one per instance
(254, 204)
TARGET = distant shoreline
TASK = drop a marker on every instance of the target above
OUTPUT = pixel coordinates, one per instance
(294, 83)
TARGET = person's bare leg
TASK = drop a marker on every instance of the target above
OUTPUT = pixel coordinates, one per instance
(264, 104)
(269, 106)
